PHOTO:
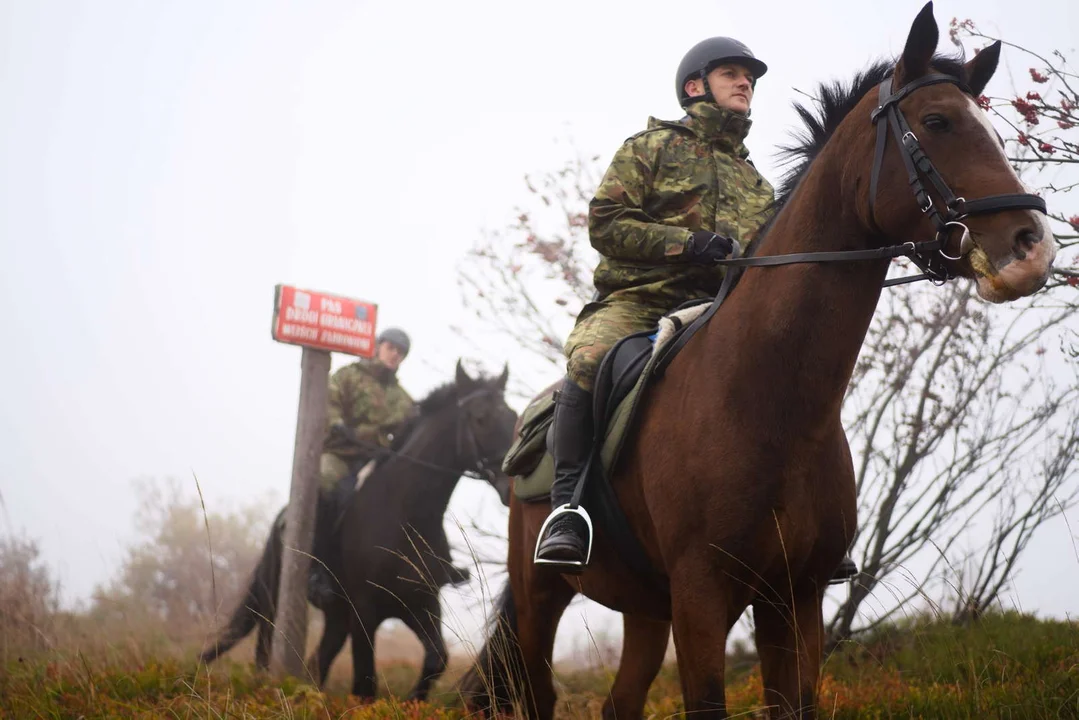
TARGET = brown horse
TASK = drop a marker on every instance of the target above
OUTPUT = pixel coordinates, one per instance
(739, 481)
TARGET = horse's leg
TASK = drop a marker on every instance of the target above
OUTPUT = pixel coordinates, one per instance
(334, 633)
(537, 622)
(790, 641)
(512, 672)
(425, 620)
(540, 596)
(704, 606)
(362, 626)
(644, 643)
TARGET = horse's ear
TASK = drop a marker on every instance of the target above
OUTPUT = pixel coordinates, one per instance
(918, 52)
(462, 379)
(981, 68)
(500, 383)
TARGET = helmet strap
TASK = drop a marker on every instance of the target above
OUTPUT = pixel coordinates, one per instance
(708, 96)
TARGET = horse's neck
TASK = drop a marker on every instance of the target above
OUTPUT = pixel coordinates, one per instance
(424, 487)
(789, 336)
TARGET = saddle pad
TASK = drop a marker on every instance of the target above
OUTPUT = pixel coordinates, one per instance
(528, 460)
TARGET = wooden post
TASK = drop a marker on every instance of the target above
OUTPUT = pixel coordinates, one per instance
(290, 629)
(321, 323)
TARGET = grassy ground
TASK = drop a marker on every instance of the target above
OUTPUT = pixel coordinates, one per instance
(1004, 667)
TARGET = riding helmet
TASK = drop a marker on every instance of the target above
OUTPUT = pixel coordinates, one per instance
(706, 55)
(396, 336)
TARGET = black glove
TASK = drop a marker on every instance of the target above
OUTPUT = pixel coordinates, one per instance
(340, 431)
(705, 247)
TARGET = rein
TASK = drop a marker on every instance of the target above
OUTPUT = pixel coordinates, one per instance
(915, 251)
(929, 255)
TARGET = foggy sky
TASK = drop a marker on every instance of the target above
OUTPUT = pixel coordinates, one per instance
(163, 165)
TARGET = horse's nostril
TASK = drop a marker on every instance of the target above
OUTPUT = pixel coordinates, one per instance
(1025, 240)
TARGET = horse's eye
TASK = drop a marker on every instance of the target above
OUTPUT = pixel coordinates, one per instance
(936, 123)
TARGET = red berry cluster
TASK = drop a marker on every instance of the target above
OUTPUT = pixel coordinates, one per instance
(1027, 110)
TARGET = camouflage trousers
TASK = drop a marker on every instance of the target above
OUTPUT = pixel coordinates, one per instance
(599, 326)
(332, 468)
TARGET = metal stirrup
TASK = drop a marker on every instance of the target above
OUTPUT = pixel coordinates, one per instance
(557, 512)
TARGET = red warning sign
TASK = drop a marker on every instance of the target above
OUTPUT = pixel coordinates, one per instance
(326, 322)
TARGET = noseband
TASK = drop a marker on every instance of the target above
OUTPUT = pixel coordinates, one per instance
(955, 209)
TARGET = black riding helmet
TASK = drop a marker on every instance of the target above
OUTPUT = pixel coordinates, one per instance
(706, 55)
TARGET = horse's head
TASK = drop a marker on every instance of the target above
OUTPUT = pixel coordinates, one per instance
(931, 128)
(486, 426)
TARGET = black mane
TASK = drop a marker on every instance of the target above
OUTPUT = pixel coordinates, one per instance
(833, 102)
(438, 398)
(435, 400)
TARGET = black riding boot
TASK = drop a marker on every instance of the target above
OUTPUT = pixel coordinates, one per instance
(565, 540)
(322, 587)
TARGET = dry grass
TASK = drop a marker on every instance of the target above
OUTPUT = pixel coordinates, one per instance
(127, 657)
(1007, 666)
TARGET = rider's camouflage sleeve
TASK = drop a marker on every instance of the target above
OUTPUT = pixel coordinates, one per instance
(664, 183)
(619, 225)
(368, 399)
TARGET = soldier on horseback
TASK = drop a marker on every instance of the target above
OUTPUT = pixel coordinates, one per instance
(674, 200)
(366, 407)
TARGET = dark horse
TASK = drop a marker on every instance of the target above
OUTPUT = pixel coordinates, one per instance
(394, 550)
(740, 483)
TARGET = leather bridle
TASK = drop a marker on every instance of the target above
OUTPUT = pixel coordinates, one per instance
(484, 467)
(918, 165)
(929, 255)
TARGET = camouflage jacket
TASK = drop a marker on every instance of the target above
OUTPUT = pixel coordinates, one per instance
(366, 397)
(663, 183)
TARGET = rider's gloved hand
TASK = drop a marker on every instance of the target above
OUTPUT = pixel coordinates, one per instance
(343, 432)
(705, 247)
